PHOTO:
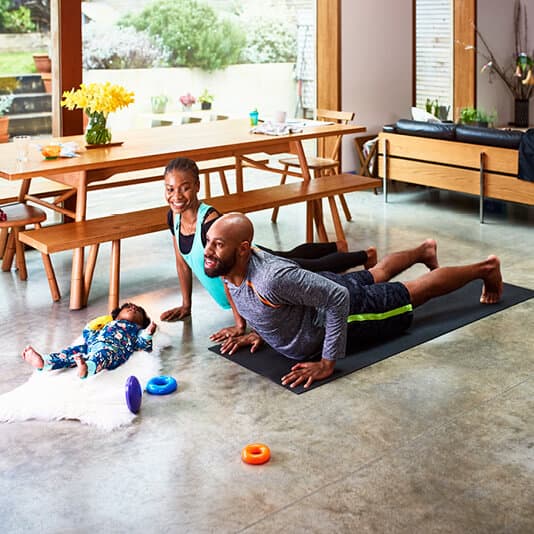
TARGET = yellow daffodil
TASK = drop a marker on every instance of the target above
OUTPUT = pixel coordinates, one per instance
(97, 98)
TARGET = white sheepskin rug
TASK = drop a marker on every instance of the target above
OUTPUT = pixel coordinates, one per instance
(99, 400)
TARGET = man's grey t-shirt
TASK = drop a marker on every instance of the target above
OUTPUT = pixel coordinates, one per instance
(299, 313)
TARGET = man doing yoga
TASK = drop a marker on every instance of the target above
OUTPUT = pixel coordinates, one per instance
(303, 315)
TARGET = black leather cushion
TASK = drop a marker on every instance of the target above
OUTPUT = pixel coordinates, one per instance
(488, 136)
(435, 130)
(390, 128)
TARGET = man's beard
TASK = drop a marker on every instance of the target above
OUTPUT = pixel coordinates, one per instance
(221, 267)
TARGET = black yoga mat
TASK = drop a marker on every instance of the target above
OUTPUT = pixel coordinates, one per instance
(433, 319)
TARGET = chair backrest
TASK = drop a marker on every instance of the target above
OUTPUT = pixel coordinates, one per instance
(328, 147)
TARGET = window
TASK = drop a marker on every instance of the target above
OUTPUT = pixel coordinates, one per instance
(434, 53)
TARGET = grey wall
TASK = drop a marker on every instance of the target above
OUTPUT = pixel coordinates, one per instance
(376, 64)
(495, 22)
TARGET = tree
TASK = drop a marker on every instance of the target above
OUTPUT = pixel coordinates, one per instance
(193, 33)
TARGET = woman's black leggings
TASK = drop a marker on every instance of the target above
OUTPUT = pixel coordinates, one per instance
(321, 257)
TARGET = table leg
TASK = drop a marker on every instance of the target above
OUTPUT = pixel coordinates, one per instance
(114, 275)
(77, 294)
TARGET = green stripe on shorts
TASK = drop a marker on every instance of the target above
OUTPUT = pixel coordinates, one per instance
(379, 316)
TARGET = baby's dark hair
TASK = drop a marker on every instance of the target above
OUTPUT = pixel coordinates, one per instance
(146, 318)
(183, 165)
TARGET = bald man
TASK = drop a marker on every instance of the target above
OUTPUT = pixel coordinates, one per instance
(303, 314)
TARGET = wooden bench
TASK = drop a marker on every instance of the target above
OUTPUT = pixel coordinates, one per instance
(114, 228)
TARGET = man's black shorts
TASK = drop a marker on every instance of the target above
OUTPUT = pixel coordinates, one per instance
(377, 311)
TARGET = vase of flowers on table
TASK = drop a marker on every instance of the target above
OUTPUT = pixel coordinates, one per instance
(97, 100)
(187, 101)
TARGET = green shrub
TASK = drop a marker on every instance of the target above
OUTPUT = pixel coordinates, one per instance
(192, 31)
(108, 47)
(15, 20)
(271, 38)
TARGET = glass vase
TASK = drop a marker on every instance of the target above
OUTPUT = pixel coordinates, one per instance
(97, 132)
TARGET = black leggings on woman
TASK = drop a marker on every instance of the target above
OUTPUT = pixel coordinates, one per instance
(317, 257)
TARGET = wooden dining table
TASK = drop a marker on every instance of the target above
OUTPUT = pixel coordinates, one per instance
(153, 148)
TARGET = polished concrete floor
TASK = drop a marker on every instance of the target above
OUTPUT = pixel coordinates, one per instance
(439, 438)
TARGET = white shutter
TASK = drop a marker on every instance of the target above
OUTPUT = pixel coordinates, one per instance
(434, 52)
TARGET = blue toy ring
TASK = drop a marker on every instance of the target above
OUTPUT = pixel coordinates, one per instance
(161, 385)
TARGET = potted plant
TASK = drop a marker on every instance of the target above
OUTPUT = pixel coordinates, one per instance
(205, 99)
(5, 104)
(42, 62)
(159, 103)
(187, 101)
(477, 117)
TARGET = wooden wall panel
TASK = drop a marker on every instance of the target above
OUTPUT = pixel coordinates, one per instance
(464, 60)
(66, 36)
(329, 54)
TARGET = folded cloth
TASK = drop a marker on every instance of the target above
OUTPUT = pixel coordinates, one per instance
(272, 128)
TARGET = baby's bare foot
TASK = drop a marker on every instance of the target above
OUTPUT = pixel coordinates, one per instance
(81, 365)
(492, 290)
(429, 254)
(30, 355)
(372, 258)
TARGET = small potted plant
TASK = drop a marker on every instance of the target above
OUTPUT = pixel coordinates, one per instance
(187, 101)
(159, 103)
(5, 104)
(477, 117)
(205, 99)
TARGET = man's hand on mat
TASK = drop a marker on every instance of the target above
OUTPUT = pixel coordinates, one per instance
(309, 372)
(176, 314)
(225, 333)
(232, 344)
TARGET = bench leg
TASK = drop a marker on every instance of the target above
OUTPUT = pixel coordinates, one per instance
(51, 275)
(76, 283)
(89, 271)
(114, 277)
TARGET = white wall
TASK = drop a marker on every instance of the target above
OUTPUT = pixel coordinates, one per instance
(238, 89)
(376, 64)
(495, 23)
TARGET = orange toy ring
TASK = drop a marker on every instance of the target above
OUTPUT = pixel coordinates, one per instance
(256, 454)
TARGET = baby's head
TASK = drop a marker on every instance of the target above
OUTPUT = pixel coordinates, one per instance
(133, 313)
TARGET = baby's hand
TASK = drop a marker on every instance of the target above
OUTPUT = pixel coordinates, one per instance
(151, 328)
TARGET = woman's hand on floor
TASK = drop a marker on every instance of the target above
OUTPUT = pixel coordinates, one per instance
(225, 333)
(175, 314)
(232, 344)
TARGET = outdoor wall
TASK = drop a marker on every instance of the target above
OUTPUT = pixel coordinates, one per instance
(376, 64)
(236, 89)
(495, 23)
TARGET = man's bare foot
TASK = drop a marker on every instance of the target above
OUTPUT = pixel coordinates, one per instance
(81, 365)
(429, 254)
(342, 246)
(492, 290)
(30, 355)
(372, 258)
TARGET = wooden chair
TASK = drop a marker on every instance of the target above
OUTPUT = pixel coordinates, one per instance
(18, 216)
(327, 160)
